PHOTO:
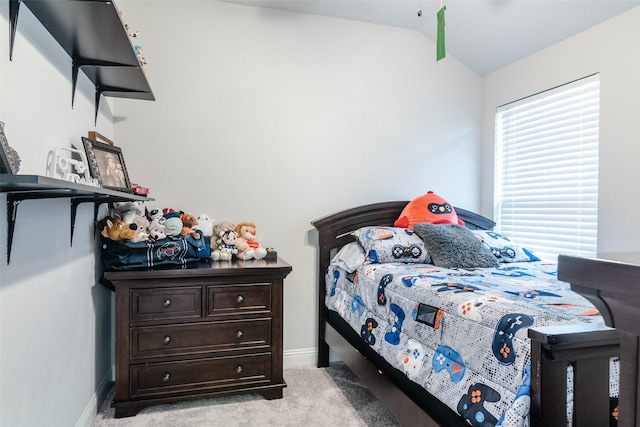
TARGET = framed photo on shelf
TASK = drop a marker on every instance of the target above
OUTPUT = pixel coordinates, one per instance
(97, 137)
(5, 166)
(106, 164)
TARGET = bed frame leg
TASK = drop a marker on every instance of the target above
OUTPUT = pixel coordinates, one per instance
(323, 347)
(323, 354)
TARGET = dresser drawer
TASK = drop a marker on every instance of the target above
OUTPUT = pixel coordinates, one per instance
(200, 375)
(166, 303)
(240, 335)
(236, 299)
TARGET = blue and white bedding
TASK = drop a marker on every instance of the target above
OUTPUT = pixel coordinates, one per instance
(461, 333)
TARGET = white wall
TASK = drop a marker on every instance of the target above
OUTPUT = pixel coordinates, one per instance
(282, 118)
(55, 320)
(271, 116)
(613, 50)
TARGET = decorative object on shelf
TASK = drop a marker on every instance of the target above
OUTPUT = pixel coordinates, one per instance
(128, 29)
(61, 164)
(9, 159)
(106, 164)
(143, 62)
(130, 32)
(140, 190)
(100, 138)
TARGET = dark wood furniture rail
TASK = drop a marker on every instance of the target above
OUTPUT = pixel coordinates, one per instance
(585, 347)
(612, 283)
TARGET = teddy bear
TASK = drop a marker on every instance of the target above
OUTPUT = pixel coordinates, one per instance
(156, 230)
(188, 222)
(248, 247)
(115, 229)
(226, 245)
(221, 227)
(219, 230)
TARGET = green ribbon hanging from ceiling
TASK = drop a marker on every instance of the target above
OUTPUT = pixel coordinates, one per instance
(440, 49)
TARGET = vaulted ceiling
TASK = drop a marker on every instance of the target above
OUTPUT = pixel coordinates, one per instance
(486, 35)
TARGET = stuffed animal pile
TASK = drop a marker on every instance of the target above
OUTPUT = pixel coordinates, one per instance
(133, 222)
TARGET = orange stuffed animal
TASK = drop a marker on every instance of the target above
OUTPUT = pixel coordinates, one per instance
(189, 221)
(429, 208)
(248, 246)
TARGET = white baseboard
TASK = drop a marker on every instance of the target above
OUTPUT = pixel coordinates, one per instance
(305, 357)
(89, 414)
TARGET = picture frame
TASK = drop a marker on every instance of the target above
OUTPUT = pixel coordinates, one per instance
(106, 164)
(97, 137)
(5, 166)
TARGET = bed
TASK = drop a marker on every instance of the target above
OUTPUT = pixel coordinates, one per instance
(569, 365)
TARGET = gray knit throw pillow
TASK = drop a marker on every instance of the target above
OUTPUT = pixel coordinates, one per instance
(454, 246)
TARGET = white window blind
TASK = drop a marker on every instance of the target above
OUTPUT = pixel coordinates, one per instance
(547, 170)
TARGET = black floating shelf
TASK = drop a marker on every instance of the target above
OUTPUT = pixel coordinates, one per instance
(30, 187)
(92, 33)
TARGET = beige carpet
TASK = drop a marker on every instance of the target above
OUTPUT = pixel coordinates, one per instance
(331, 397)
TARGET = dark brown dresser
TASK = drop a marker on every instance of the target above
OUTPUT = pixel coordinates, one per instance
(612, 283)
(199, 332)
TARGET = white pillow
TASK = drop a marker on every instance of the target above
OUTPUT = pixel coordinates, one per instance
(350, 257)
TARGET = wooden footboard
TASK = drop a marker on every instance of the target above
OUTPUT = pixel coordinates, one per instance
(587, 348)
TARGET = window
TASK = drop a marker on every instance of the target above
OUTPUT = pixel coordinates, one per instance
(546, 188)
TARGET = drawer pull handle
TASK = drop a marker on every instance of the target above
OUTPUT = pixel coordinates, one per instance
(166, 378)
(239, 334)
(166, 303)
(239, 299)
(239, 370)
(166, 340)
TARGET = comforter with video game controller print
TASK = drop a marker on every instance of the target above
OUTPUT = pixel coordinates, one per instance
(459, 333)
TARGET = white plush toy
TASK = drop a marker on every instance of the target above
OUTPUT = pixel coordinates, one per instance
(204, 225)
(118, 208)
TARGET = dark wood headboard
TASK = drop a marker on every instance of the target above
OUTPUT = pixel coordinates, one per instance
(334, 231)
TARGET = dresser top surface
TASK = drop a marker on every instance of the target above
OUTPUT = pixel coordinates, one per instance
(207, 269)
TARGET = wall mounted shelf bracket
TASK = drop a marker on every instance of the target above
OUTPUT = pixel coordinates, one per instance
(30, 187)
(14, 6)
